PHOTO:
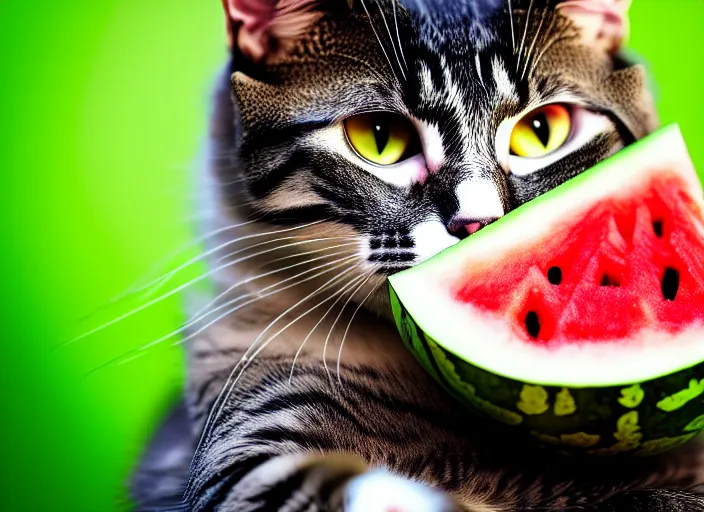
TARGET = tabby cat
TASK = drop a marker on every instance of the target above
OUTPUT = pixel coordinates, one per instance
(365, 137)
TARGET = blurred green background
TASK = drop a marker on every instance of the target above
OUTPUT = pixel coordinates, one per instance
(102, 112)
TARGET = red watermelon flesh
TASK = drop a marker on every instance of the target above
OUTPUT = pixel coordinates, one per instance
(624, 265)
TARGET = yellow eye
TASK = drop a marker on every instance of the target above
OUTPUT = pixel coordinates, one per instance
(380, 137)
(541, 132)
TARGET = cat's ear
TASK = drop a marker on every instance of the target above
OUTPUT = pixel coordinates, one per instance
(602, 23)
(257, 28)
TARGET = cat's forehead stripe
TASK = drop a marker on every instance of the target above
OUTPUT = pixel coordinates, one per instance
(426, 80)
(505, 86)
(458, 103)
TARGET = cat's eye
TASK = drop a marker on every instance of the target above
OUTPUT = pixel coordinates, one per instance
(541, 131)
(381, 138)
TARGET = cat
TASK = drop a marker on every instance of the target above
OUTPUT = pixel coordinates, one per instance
(350, 140)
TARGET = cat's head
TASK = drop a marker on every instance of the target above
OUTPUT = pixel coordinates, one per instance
(414, 123)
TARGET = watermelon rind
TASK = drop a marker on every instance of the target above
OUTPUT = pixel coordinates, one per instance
(642, 419)
(643, 397)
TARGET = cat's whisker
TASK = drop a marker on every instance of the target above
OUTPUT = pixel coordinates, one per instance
(167, 294)
(160, 281)
(257, 296)
(303, 240)
(138, 286)
(535, 40)
(337, 319)
(525, 33)
(349, 324)
(376, 34)
(266, 274)
(248, 257)
(306, 253)
(235, 181)
(322, 318)
(548, 46)
(139, 351)
(248, 359)
(398, 35)
(513, 30)
(231, 382)
(237, 240)
(260, 253)
(360, 61)
(391, 38)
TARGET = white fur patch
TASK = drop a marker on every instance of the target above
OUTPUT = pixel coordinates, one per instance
(432, 145)
(426, 80)
(381, 491)
(479, 199)
(504, 85)
(431, 237)
(478, 63)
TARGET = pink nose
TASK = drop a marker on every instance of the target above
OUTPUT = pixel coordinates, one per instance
(473, 227)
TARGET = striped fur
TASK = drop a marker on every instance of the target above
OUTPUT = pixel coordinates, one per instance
(300, 396)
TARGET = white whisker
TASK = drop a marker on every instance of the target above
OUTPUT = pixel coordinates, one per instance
(360, 61)
(247, 359)
(148, 304)
(547, 47)
(337, 319)
(322, 318)
(137, 352)
(513, 31)
(257, 296)
(266, 274)
(398, 35)
(244, 361)
(138, 286)
(349, 324)
(303, 238)
(306, 253)
(234, 241)
(525, 33)
(535, 40)
(376, 34)
(391, 38)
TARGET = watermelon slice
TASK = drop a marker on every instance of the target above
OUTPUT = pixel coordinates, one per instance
(579, 316)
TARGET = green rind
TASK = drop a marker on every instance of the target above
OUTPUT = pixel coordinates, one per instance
(601, 421)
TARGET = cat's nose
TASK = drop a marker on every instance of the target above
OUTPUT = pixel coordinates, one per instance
(479, 204)
(462, 227)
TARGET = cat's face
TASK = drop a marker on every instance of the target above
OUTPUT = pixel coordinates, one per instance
(415, 124)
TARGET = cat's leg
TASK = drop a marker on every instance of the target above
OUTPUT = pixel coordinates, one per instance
(332, 482)
(315, 445)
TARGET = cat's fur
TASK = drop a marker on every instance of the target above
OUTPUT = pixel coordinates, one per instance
(310, 424)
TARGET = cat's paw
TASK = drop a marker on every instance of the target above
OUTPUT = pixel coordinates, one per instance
(381, 491)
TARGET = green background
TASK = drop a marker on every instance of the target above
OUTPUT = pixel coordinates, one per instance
(102, 112)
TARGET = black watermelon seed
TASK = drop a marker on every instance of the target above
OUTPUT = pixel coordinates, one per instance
(670, 283)
(607, 280)
(555, 275)
(532, 324)
(657, 227)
